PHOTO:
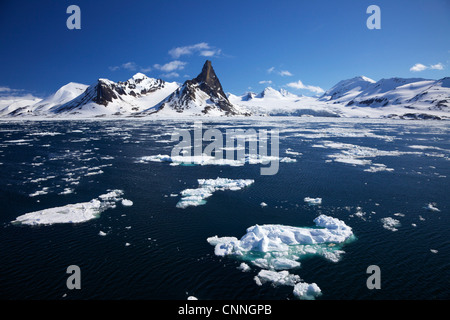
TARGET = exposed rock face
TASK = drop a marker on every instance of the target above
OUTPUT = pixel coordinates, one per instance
(203, 94)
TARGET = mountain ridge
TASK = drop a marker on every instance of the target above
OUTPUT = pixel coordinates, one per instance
(141, 96)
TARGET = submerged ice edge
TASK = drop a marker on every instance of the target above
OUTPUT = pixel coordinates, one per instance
(72, 213)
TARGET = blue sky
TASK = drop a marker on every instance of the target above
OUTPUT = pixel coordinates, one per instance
(252, 44)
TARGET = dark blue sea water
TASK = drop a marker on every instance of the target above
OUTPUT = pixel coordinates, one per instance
(168, 256)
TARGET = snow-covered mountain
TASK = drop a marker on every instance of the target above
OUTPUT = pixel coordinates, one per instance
(414, 98)
(394, 97)
(272, 102)
(122, 98)
(201, 95)
(142, 96)
(11, 106)
(347, 89)
(65, 94)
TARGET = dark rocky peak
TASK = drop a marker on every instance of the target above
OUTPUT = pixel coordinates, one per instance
(106, 91)
(208, 80)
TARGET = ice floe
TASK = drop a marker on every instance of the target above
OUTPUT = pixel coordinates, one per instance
(302, 290)
(127, 203)
(72, 213)
(39, 192)
(432, 207)
(210, 160)
(377, 167)
(307, 291)
(357, 155)
(244, 267)
(283, 278)
(279, 247)
(313, 200)
(390, 223)
(196, 197)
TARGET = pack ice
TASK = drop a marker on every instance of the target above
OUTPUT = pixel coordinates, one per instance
(72, 213)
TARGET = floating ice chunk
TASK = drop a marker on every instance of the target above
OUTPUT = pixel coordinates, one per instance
(93, 173)
(434, 251)
(127, 203)
(192, 298)
(313, 200)
(431, 207)
(359, 213)
(284, 263)
(283, 278)
(39, 192)
(288, 160)
(356, 155)
(66, 191)
(71, 213)
(210, 160)
(114, 195)
(398, 214)
(127, 244)
(196, 197)
(290, 151)
(390, 223)
(307, 291)
(244, 267)
(263, 204)
(377, 167)
(101, 233)
(279, 247)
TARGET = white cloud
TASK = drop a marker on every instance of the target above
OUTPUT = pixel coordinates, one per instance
(5, 89)
(171, 66)
(265, 82)
(148, 69)
(437, 66)
(7, 93)
(285, 73)
(130, 66)
(210, 53)
(202, 48)
(299, 85)
(170, 75)
(420, 67)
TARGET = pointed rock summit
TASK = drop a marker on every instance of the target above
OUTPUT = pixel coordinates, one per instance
(201, 95)
(208, 80)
